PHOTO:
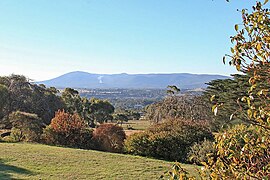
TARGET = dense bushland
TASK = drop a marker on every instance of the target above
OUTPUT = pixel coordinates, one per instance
(18, 94)
(31, 112)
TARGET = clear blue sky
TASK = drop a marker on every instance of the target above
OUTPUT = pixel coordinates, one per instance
(46, 38)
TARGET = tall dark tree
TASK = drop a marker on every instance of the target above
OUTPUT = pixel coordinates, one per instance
(93, 111)
(227, 91)
(101, 111)
(73, 101)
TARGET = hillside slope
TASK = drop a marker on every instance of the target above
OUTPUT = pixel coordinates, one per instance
(34, 161)
(80, 79)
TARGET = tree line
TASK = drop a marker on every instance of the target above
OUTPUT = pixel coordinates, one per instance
(17, 93)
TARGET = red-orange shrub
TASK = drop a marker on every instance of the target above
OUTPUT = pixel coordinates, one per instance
(109, 137)
(65, 122)
(68, 130)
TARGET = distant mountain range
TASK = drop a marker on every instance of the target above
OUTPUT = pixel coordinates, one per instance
(80, 79)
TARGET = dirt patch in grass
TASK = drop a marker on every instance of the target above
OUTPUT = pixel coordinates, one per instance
(130, 132)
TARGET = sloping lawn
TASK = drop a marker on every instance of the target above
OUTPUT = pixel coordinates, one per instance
(35, 161)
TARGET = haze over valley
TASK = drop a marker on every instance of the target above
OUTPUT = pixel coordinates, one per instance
(79, 79)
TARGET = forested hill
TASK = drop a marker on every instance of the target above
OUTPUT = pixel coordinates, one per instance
(80, 79)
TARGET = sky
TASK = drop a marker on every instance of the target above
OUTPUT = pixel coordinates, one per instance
(42, 39)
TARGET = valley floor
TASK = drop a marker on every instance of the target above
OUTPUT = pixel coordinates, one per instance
(35, 161)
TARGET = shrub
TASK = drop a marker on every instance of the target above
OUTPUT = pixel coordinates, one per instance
(16, 135)
(109, 137)
(170, 140)
(25, 126)
(68, 130)
(138, 144)
(199, 152)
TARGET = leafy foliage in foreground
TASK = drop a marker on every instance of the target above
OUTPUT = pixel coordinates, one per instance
(242, 152)
(251, 54)
(177, 172)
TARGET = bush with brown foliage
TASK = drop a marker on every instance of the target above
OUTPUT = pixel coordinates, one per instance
(68, 130)
(109, 137)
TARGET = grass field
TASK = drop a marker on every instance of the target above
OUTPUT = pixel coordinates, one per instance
(136, 124)
(35, 161)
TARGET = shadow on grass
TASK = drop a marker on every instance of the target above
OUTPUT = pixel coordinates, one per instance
(6, 170)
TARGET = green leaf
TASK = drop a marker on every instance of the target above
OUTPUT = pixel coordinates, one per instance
(236, 27)
(249, 112)
(232, 50)
(212, 97)
(248, 101)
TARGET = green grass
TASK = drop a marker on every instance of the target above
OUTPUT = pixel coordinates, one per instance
(35, 161)
(136, 124)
